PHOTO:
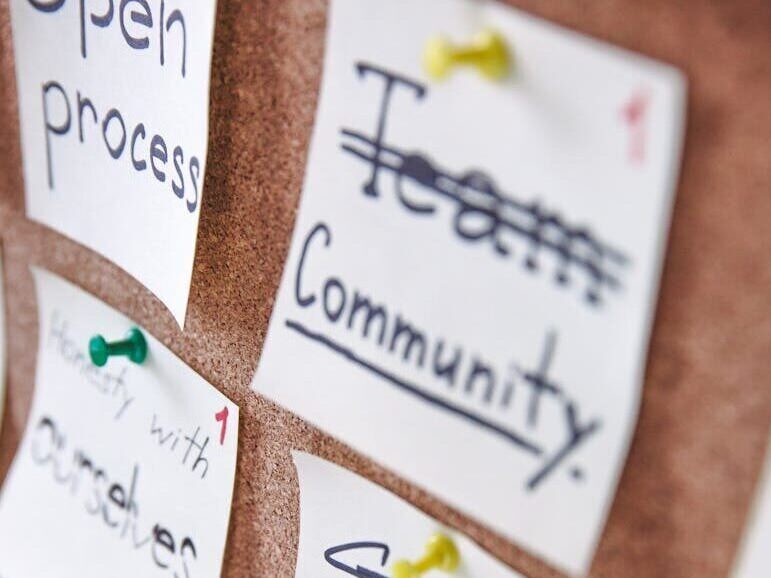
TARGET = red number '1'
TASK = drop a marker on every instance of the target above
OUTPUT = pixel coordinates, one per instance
(223, 417)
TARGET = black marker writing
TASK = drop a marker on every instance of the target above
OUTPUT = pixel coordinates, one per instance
(122, 141)
(112, 502)
(358, 570)
(482, 212)
(468, 386)
(141, 29)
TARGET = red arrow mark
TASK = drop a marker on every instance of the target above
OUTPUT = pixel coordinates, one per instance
(223, 417)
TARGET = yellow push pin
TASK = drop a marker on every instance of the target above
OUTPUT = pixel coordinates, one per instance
(487, 51)
(441, 554)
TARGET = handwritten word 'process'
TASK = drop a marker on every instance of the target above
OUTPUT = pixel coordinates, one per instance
(114, 124)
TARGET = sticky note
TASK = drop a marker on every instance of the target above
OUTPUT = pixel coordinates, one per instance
(125, 470)
(754, 557)
(470, 287)
(350, 526)
(113, 108)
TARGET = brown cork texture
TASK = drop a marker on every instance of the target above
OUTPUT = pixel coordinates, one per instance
(706, 408)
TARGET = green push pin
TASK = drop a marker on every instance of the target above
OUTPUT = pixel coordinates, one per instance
(134, 347)
(441, 554)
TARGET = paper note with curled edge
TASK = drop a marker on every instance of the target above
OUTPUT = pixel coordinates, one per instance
(123, 470)
(754, 560)
(114, 110)
(470, 287)
(352, 527)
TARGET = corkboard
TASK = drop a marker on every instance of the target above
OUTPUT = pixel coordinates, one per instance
(706, 408)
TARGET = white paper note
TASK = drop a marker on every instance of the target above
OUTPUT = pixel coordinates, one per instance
(754, 560)
(113, 103)
(470, 287)
(125, 470)
(352, 527)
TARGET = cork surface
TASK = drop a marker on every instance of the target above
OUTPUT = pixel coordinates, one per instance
(706, 407)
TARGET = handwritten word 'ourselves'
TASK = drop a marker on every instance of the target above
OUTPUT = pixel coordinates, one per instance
(110, 500)
(482, 212)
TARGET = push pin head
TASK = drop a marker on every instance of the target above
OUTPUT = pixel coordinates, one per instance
(487, 52)
(134, 347)
(441, 553)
